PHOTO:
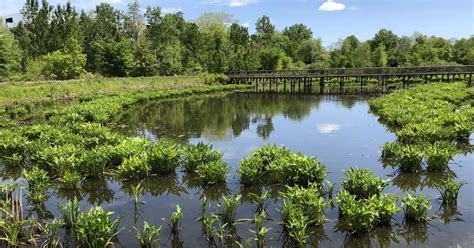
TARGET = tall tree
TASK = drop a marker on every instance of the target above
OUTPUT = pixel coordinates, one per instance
(208, 19)
(379, 56)
(312, 52)
(265, 31)
(10, 53)
(297, 33)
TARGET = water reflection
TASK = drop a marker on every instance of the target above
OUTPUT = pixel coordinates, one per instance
(223, 118)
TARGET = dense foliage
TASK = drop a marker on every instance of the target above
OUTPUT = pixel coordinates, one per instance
(136, 43)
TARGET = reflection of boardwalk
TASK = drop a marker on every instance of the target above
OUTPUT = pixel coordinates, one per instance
(383, 78)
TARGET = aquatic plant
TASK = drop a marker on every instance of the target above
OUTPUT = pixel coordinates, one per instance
(164, 157)
(198, 154)
(449, 191)
(363, 183)
(386, 206)
(127, 148)
(299, 169)
(175, 220)
(407, 157)
(70, 180)
(229, 208)
(416, 207)
(50, 233)
(213, 172)
(136, 192)
(259, 201)
(208, 223)
(94, 228)
(11, 231)
(260, 230)
(38, 184)
(135, 167)
(295, 223)
(438, 155)
(258, 163)
(309, 201)
(149, 236)
(70, 212)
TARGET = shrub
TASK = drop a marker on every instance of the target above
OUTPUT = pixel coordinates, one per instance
(213, 172)
(94, 228)
(449, 191)
(363, 183)
(416, 207)
(195, 155)
(164, 157)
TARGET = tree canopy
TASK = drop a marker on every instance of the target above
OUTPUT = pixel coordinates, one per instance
(59, 42)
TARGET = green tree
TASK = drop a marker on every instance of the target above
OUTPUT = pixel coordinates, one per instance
(209, 19)
(10, 53)
(115, 58)
(265, 31)
(271, 58)
(297, 33)
(217, 48)
(312, 52)
(133, 21)
(464, 51)
(379, 56)
(67, 63)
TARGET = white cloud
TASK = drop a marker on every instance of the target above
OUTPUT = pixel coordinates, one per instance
(328, 127)
(245, 24)
(171, 10)
(330, 5)
(240, 3)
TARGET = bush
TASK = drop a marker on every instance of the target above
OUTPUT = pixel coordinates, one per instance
(299, 169)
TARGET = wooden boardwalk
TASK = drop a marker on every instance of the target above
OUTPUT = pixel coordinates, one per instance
(303, 79)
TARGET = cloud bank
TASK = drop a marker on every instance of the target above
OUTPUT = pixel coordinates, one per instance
(240, 3)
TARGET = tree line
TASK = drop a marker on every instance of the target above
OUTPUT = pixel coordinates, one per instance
(57, 42)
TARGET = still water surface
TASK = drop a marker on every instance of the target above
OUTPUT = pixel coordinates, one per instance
(339, 130)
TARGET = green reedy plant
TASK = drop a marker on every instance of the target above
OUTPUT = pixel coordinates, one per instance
(229, 208)
(94, 228)
(330, 189)
(407, 157)
(175, 220)
(135, 167)
(438, 155)
(363, 183)
(70, 212)
(50, 233)
(149, 236)
(260, 230)
(136, 192)
(253, 167)
(12, 231)
(449, 191)
(416, 207)
(250, 170)
(213, 172)
(295, 223)
(299, 169)
(164, 157)
(127, 148)
(196, 155)
(70, 180)
(309, 201)
(38, 184)
(208, 223)
(386, 207)
(259, 201)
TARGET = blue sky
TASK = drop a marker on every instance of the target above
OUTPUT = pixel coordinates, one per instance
(329, 20)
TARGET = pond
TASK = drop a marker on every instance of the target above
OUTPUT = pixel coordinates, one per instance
(337, 129)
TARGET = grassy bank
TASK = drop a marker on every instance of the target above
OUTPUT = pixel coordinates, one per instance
(43, 91)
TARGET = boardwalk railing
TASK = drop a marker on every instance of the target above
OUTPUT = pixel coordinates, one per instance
(357, 72)
(305, 79)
